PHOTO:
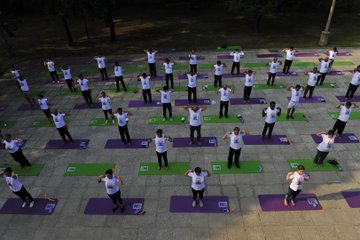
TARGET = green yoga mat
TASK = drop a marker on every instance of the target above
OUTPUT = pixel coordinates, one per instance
(66, 92)
(87, 169)
(130, 69)
(297, 117)
(245, 167)
(215, 119)
(254, 64)
(309, 165)
(265, 86)
(175, 168)
(328, 85)
(114, 92)
(159, 120)
(45, 123)
(303, 64)
(353, 115)
(206, 65)
(343, 63)
(100, 122)
(6, 124)
(86, 71)
(180, 67)
(231, 47)
(211, 88)
(34, 170)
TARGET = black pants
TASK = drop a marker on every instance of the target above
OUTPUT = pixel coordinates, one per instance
(116, 198)
(287, 66)
(106, 113)
(237, 66)
(321, 78)
(164, 156)
(291, 195)
(192, 91)
(222, 105)
(87, 96)
(152, 69)
(351, 90)
(124, 134)
(70, 84)
(309, 89)
(272, 78)
(64, 131)
(147, 95)
(19, 85)
(103, 73)
(24, 195)
(320, 157)
(120, 79)
(169, 76)
(193, 68)
(54, 75)
(47, 113)
(233, 152)
(198, 192)
(218, 79)
(168, 107)
(247, 92)
(266, 126)
(339, 126)
(19, 157)
(198, 132)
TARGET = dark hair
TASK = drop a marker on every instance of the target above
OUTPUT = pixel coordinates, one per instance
(119, 109)
(116, 63)
(272, 103)
(218, 62)
(165, 88)
(331, 132)
(291, 47)
(297, 86)
(109, 171)
(301, 167)
(197, 170)
(8, 170)
(167, 60)
(7, 135)
(237, 49)
(236, 128)
(80, 75)
(143, 75)
(335, 49)
(41, 96)
(348, 104)
(250, 71)
(159, 131)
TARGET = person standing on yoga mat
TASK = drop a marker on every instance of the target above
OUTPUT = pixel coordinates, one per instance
(354, 84)
(17, 187)
(324, 69)
(68, 78)
(270, 114)
(332, 55)
(151, 61)
(121, 116)
(313, 76)
(102, 67)
(169, 76)
(236, 63)
(323, 149)
(160, 141)
(15, 72)
(106, 106)
(236, 141)
(193, 61)
(112, 188)
(218, 73)
(52, 70)
(345, 111)
(249, 82)
(12, 146)
(45, 107)
(85, 89)
(145, 85)
(297, 178)
(119, 77)
(272, 71)
(197, 184)
(224, 100)
(290, 54)
(166, 102)
(192, 79)
(195, 122)
(296, 92)
(60, 124)
(26, 90)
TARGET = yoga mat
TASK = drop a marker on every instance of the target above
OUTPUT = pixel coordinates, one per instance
(345, 138)
(158, 78)
(159, 120)
(130, 69)
(265, 86)
(254, 65)
(175, 168)
(226, 56)
(353, 99)
(59, 144)
(257, 140)
(199, 76)
(352, 198)
(184, 142)
(34, 170)
(41, 207)
(240, 101)
(103, 206)
(6, 124)
(245, 167)
(187, 57)
(310, 167)
(2, 145)
(229, 75)
(215, 119)
(200, 101)
(297, 117)
(343, 63)
(28, 107)
(80, 106)
(45, 123)
(66, 92)
(87, 169)
(100, 122)
(334, 73)
(269, 55)
(281, 74)
(212, 204)
(114, 92)
(3, 107)
(353, 115)
(339, 54)
(141, 103)
(314, 99)
(166, 50)
(275, 202)
(179, 67)
(212, 88)
(206, 65)
(135, 143)
(328, 85)
(307, 54)
(303, 64)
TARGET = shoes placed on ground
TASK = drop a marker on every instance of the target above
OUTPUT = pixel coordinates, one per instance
(23, 205)
(193, 203)
(32, 204)
(171, 119)
(164, 119)
(201, 204)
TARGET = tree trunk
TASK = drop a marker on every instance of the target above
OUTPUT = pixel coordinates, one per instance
(67, 30)
(258, 21)
(85, 24)
(112, 28)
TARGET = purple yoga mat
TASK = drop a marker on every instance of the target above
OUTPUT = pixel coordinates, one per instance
(28, 107)
(268, 55)
(166, 50)
(135, 143)
(225, 57)
(307, 54)
(41, 207)
(79, 106)
(199, 76)
(345, 138)
(200, 101)
(158, 78)
(281, 74)
(229, 75)
(103, 206)
(212, 204)
(257, 140)
(2, 145)
(353, 99)
(352, 198)
(99, 79)
(3, 107)
(184, 142)
(335, 73)
(187, 57)
(140, 103)
(340, 54)
(59, 144)
(275, 202)
(240, 101)
(314, 99)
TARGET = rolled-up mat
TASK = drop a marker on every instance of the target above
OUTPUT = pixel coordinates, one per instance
(290, 74)
(275, 202)
(101, 122)
(314, 99)
(232, 118)
(95, 105)
(75, 144)
(257, 140)
(41, 207)
(199, 76)
(335, 73)
(187, 57)
(310, 167)
(345, 138)
(2, 145)
(212, 204)
(34, 170)
(301, 54)
(200, 101)
(3, 107)
(45, 123)
(141, 103)
(245, 167)
(269, 55)
(240, 101)
(135, 143)
(175, 168)
(87, 169)
(353, 115)
(265, 86)
(352, 198)
(104, 206)
(229, 75)
(28, 107)
(175, 120)
(342, 63)
(353, 99)
(6, 124)
(297, 117)
(184, 142)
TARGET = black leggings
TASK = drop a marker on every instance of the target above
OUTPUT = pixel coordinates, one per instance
(266, 126)
(19, 157)
(198, 192)
(168, 107)
(24, 195)
(321, 78)
(106, 113)
(169, 76)
(152, 69)
(164, 156)
(237, 66)
(120, 79)
(309, 89)
(287, 66)
(339, 126)
(116, 198)
(351, 90)
(54, 75)
(247, 92)
(218, 79)
(70, 84)
(103, 73)
(291, 195)
(233, 152)
(320, 157)
(272, 78)
(124, 134)
(147, 95)
(193, 68)
(87, 96)
(192, 91)
(192, 131)
(64, 131)
(224, 104)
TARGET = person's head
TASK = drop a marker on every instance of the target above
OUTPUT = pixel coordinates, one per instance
(116, 63)
(195, 108)
(109, 173)
(348, 104)
(65, 66)
(40, 96)
(103, 93)
(55, 111)
(144, 75)
(326, 59)
(236, 130)
(165, 88)
(193, 51)
(8, 171)
(21, 78)
(225, 86)
(272, 105)
(250, 72)
(236, 50)
(358, 68)
(167, 60)
(48, 58)
(120, 110)
(159, 132)
(81, 76)
(218, 63)
(300, 169)
(275, 59)
(150, 50)
(315, 69)
(197, 171)
(7, 137)
(13, 67)
(330, 133)
(335, 49)
(291, 48)
(297, 87)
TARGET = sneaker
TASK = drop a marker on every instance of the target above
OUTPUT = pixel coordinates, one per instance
(23, 205)
(31, 204)
(193, 203)
(292, 117)
(201, 204)
(164, 119)
(171, 119)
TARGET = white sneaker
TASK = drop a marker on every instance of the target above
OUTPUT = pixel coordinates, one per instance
(171, 119)
(23, 205)
(201, 204)
(164, 119)
(32, 204)
(193, 203)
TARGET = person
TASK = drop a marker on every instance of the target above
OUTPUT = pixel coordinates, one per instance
(52, 70)
(145, 84)
(270, 114)
(236, 141)
(26, 90)
(112, 188)
(45, 107)
(332, 55)
(313, 76)
(249, 81)
(68, 78)
(102, 67)
(169, 76)
(236, 63)
(218, 73)
(15, 72)
(151, 61)
(290, 53)
(85, 89)
(160, 141)
(195, 122)
(119, 77)
(192, 79)
(224, 100)
(17, 187)
(345, 111)
(272, 71)
(197, 184)
(193, 61)
(60, 124)
(324, 69)
(296, 91)
(166, 102)
(12, 146)
(323, 149)
(354, 83)
(121, 117)
(106, 106)
(297, 178)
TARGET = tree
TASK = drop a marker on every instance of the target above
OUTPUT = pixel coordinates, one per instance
(105, 10)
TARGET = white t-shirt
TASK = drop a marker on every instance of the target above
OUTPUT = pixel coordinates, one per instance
(332, 55)
(15, 73)
(59, 120)
(118, 71)
(271, 115)
(105, 103)
(111, 184)
(100, 62)
(273, 66)
(289, 54)
(165, 96)
(67, 73)
(297, 181)
(168, 67)
(14, 184)
(11, 146)
(191, 80)
(355, 78)
(160, 144)
(24, 85)
(235, 140)
(326, 144)
(193, 59)
(151, 57)
(43, 104)
(324, 66)
(195, 117)
(249, 80)
(295, 95)
(121, 118)
(344, 113)
(224, 94)
(84, 84)
(145, 83)
(198, 182)
(237, 56)
(51, 66)
(219, 69)
(312, 78)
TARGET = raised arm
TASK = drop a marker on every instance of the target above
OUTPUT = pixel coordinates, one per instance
(339, 105)
(225, 135)
(289, 88)
(203, 108)
(320, 133)
(186, 108)
(208, 173)
(187, 172)
(120, 181)
(170, 139)
(288, 176)
(99, 178)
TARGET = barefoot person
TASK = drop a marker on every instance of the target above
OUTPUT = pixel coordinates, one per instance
(85, 89)
(26, 90)
(12, 146)
(119, 77)
(313, 76)
(52, 70)
(236, 141)
(151, 61)
(273, 70)
(166, 102)
(60, 124)
(324, 69)
(297, 178)
(193, 61)
(160, 141)
(121, 116)
(290, 54)
(270, 114)
(197, 184)
(224, 100)
(354, 84)
(191, 87)
(249, 82)
(296, 92)
(236, 63)
(146, 89)
(68, 78)
(43, 103)
(218, 67)
(323, 149)
(195, 122)
(169, 76)
(106, 106)
(332, 55)
(102, 67)
(345, 111)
